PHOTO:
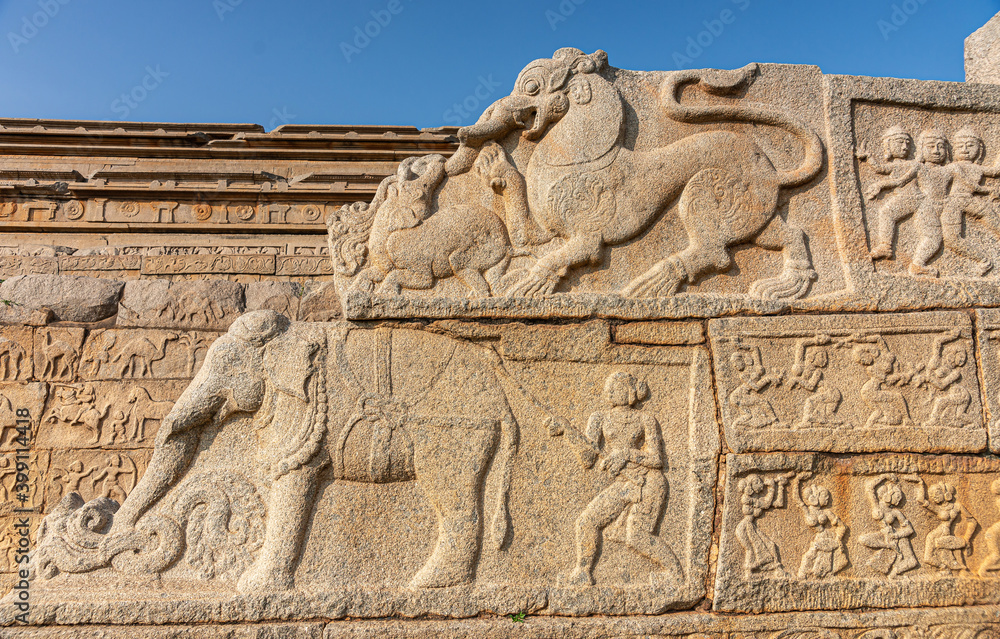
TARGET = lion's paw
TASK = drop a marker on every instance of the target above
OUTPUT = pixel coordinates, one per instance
(791, 284)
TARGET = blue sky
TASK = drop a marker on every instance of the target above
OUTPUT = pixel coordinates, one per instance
(412, 61)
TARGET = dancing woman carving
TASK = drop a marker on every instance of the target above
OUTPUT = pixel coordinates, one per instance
(629, 445)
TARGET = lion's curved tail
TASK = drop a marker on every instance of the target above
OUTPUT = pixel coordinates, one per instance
(725, 83)
(349, 228)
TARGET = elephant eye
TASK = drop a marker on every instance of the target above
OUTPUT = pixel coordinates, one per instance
(531, 86)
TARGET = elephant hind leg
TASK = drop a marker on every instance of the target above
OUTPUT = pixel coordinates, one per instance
(450, 466)
(796, 273)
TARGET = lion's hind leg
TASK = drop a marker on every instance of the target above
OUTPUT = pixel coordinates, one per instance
(796, 274)
(395, 281)
(712, 210)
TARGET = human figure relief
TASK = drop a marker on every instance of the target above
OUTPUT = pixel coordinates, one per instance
(945, 548)
(820, 407)
(78, 407)
(991, 565)
(943, 374)
(888, 405)
(754, 410)
(68, 479)
(827, 554)
(933, 180)
(893, 549)
(968, 176)
(629, 445)
(119, 475)
(897, 145)
(758, 495)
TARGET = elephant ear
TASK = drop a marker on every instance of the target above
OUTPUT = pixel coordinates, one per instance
(288, 364)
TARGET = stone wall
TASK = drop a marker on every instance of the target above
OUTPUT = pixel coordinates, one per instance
(698, 353)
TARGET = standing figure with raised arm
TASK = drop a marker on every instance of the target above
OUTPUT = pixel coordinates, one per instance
(629, 444)
(943, 548)
(888, 405)
(758, 495)
(893, 549)
(827, 554)
(897, 145)
(969, 173)
(943, 373)
(754, 410)
(820, 407)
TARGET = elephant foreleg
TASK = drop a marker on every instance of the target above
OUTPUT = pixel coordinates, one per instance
(290, 505)
(450, 465)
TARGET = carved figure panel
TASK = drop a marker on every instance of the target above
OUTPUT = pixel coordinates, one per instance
(917, 191)
(143, 354)
(106, 414)
(57, 353)
(16, 353)
(446, 448)
(22, 482)
(193, 305)
(93, 474)
(549, 194)
(14, 397)
(865, 531)
(849, 383)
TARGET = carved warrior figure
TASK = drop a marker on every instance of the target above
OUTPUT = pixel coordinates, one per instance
(443, 427)
(888, 405)
(945, 549)
(893, 549)
(820, 407)
(943, 374)
(827, 554)
(77, 406)
(761, 556)
(754, 410)
(629, 445)
(577, 187)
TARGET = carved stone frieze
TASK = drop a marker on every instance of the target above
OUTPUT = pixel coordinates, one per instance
(803, 531)
(849, 383)
(107, 414)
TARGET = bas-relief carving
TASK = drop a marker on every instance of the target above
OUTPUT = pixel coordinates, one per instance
(57, 353)
(849, 383)
(106, 414)
(988, 332)
(146, 354)
(874, 531)
(915, 172)
(550, 179)
(299, 418)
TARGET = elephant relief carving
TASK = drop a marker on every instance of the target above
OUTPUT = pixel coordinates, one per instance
(577, 187)
(325, 401)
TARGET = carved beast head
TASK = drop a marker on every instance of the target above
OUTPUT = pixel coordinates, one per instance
(543, 94)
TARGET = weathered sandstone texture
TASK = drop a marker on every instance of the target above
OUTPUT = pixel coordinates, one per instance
(698, 353)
